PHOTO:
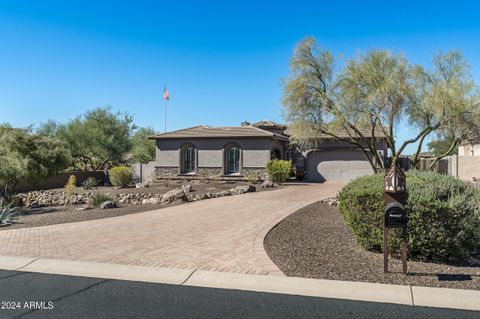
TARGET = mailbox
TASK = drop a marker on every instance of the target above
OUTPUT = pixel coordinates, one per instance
(395, 215)
(395, 196)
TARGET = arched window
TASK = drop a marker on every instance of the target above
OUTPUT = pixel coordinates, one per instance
(189, 159)
(233, 160)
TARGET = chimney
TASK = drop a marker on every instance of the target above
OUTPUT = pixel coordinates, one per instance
(245, 123)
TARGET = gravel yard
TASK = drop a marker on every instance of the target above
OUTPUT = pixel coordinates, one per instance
(51, 215)
(315, 242)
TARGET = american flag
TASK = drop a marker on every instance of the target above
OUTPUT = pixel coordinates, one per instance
(166, 97)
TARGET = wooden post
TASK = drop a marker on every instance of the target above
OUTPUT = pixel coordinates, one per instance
(385, 249)
(404, 251)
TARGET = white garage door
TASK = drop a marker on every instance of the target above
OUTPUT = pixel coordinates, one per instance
(336, 165)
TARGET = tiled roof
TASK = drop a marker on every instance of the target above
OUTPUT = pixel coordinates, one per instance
(340, 133)
(267, 123)
(218, 132)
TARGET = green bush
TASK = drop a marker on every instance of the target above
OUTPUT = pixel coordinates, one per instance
(69, 188)
(278, 170)
(121, 176)
(98, 198)
(443, 215)
(90, 183)
(7, 213)
(253, 178)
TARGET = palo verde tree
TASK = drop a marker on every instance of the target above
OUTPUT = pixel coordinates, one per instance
(368, 97)
(452, 98)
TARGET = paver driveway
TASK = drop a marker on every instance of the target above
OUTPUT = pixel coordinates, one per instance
(222, 234)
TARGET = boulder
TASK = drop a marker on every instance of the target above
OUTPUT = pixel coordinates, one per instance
(82, 207)
(34, 205)
(16, 200)
(187, 188)
(267, 184)
(108, 204)
(173, 195)
(224, 193)
(151, 201)
(242, 189)
(332, 201)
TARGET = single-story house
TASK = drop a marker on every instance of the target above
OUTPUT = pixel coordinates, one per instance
(239, 151)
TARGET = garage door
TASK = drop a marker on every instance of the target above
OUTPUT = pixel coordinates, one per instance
(336, 165)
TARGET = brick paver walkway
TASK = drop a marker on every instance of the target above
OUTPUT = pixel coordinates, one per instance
(222, 234)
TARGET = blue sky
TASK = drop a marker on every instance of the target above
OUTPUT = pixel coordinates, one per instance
(222, 61)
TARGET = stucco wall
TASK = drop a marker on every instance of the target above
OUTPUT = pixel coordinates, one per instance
(144, 172)
(57, 181)
(468, 167)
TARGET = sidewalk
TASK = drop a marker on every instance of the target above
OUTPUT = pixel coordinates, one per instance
(394, 294)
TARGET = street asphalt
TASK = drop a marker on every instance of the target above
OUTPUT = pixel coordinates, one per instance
(35, 295)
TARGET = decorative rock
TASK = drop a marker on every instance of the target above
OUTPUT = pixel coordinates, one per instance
(108, 204)
(82, 207)
(35, 199)
(187, 188)
(267, 184)
(224, 193)
(151, 201)
(242, 189)
(332, 201)
(16, 201)
(34, 205)
(173, 195)
(139, 185)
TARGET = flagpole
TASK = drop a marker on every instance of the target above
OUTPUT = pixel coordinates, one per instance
(165, 115)
(164, 108)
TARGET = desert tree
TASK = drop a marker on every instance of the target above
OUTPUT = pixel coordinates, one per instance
(355, 104)
(452, 99)
(371, 95)
(28, 157)
(143, 149)
(96, 138)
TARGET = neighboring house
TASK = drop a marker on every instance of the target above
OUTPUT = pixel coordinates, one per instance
(469, 148)
(240, 151)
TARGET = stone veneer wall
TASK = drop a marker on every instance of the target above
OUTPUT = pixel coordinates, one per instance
(165, 172)
(261, 172)
(206, 173)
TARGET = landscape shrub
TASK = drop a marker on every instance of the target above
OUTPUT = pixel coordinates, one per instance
(443, 215)
(90, 183)
(279, 170)
(253, 178)
(69, 188)
(121, 176)
(7, 213)
(98, 198)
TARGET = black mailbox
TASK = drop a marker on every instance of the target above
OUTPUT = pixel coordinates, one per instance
(395, 215)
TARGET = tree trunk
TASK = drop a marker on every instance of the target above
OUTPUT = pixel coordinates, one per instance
(415, 161)
(450, 150)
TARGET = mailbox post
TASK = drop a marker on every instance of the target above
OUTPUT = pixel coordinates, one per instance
(395, 196)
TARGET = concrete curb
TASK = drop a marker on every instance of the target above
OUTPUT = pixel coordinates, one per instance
(370, 292)
(446, 298)
(304, 287)
(101, 270)
(14, 263)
